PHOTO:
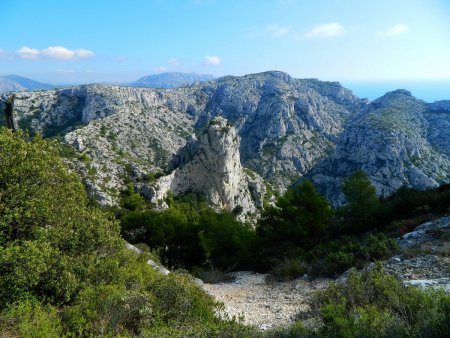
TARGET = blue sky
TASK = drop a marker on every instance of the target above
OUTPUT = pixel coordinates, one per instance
(61, 41)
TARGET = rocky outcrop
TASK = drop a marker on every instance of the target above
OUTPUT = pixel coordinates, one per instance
(211, 166)
(424, 258)
(396, 140)
(286, 124)
(158, 267)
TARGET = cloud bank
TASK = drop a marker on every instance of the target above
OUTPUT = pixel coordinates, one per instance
(53, 52)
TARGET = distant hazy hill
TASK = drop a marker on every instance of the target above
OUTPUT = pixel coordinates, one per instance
(18, 83)
(170, 80)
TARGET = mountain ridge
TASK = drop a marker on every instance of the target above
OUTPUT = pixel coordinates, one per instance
(12, 82)
(170, 80)
(289, 128)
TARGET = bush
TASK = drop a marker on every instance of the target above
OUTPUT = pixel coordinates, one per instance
(374, 303)
(288, 269)
(64, 270)
(337, 256)
(29, 318)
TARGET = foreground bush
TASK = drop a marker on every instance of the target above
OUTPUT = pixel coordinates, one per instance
(64, 269)
(376, 304)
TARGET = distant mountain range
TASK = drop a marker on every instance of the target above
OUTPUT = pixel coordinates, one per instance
(170, 80)
(10, 83)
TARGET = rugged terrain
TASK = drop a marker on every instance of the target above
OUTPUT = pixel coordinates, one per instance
(211, 167)
(288, 128)
(424, 261)
(397, 140)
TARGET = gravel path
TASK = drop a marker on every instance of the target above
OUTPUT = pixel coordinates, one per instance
(268, 305)
(262, 304)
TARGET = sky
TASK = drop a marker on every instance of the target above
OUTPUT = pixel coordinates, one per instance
(351, 41)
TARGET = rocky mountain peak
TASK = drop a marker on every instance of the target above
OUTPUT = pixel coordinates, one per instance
(398, 92)
(279, 75)
(211, 166)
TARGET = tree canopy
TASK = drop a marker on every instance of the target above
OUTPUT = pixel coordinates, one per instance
(362, 200)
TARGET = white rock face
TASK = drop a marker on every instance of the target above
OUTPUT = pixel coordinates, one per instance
(288, 128)
(211, 166)
(286, 125)
(397, 141)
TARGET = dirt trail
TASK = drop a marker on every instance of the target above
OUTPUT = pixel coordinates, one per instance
(262, 304)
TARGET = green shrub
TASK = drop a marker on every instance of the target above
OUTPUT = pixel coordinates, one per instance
(65, 271)
(288, 269)
(110, 309)
(29, 318)
(374, 302)
(179, 301)
(296, 330)
(380, 246)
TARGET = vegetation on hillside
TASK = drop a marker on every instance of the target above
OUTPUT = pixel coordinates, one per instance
(64, 269)
(373, 303)
(300, 234)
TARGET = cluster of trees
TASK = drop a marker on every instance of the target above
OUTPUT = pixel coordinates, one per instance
(188, 234)
(300, 234)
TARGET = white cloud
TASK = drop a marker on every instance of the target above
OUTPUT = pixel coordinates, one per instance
(327, 30)
(212, 60)
(83, 53)
(27, 53)
(58, 52)
(395, 30)
(277, 31)
(161, 69)
(54, 52)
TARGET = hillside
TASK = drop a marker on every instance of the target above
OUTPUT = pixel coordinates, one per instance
(397, 140)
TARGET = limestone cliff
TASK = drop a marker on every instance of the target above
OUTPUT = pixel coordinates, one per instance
(211, 166)
(397, 140)
(287, 127)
